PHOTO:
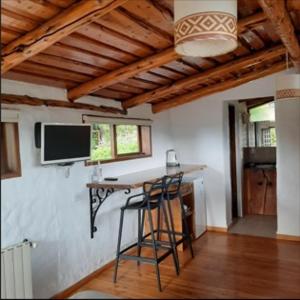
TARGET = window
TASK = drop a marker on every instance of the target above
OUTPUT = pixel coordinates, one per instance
(127, 139)
(265, 112)
(268, 137)
(10, 154)
(115, 139)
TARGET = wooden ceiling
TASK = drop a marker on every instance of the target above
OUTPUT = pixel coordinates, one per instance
(123, 49)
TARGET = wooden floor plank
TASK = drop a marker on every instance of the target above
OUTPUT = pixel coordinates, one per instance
(225, 266)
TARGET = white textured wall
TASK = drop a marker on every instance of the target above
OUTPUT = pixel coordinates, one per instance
(288, 166)
(45, 206)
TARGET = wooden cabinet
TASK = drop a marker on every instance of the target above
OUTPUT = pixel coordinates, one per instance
(260, 191)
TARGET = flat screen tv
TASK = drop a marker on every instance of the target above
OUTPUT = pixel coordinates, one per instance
(65, 143)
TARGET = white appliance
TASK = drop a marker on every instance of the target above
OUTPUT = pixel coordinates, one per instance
(171, 158)
(200, 205)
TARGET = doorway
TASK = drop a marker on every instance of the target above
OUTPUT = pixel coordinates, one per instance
(257, 145)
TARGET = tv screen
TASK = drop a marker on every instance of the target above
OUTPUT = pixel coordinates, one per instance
(62, 143)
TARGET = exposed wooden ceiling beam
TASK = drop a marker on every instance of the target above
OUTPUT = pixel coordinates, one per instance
(142, 66)
(123, 73)
(235, 65)
(218, 87)
(68, 21)
(26, 100)
(278, 15)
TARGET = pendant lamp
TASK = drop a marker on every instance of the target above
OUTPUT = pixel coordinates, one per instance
(288, 85)
(205, 28)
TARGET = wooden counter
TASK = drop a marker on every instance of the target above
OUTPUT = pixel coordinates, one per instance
(136, 180)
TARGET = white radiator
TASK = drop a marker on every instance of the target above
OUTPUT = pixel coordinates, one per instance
(16, 280)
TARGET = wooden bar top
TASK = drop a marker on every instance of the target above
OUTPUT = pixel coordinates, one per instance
(136, 179)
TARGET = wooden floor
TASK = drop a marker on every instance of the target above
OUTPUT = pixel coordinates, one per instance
(225, 266)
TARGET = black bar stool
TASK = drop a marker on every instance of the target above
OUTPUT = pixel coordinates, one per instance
(151, 199)
(172, 191)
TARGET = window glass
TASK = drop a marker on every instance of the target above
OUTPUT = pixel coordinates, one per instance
(269, 137)
(101, 142)
(265, 112)
(127, 139)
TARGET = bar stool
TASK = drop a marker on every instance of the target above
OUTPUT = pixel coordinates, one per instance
(172, 191)
(151, 200)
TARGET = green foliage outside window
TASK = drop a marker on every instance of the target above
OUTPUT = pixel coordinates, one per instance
(265, 112)
(127, 139)
(101, 142)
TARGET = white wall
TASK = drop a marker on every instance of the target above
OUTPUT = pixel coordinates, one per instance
(288, 166)
(200, 134)
(45, 206)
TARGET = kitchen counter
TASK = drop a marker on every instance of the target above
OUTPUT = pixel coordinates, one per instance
(136, 179)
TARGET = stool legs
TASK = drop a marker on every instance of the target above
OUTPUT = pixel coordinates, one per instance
(140, 232)
(173, 245)
(154, 248)
(170, 215)
(119, 244)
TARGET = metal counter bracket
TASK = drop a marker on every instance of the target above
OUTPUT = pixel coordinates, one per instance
(97, 197)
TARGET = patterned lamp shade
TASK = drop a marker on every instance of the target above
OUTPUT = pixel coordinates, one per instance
(205, 28)
(288, 86)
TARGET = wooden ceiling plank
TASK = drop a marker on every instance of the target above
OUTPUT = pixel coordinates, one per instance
(167, 73)
(16, 22)
(150, 12)
(143, 84)
(26, 100)
(278, 15)
(182, 67)
(53, 30)
(126, 88)
(123, 73)
(62, 3)
(8, 35)
(153, 78)
(112, 38)
(83, 42)
(135, 29)
(58, 73)
(38, 79)
(247, 22)
(234, 82)
(34, 10)
(83, 56)
(251, 59)
(67, 64)
(293, 5)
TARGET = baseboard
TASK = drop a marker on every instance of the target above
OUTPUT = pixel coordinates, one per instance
(70, 290)
(288, 237)
(217, 229)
